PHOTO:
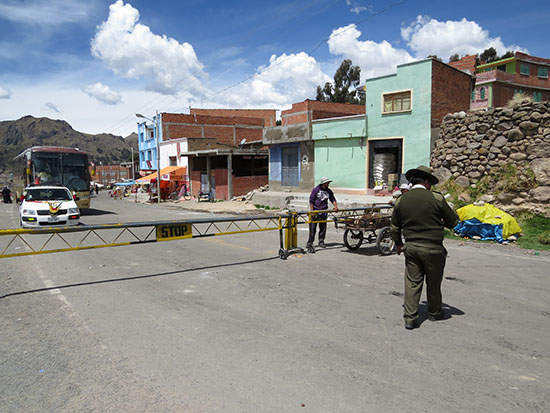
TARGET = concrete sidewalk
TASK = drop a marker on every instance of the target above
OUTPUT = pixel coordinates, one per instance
(297, 201)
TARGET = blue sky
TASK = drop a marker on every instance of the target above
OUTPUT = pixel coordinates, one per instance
(95, 63)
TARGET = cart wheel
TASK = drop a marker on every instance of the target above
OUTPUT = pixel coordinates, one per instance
(384, 241)
(283, 254)
(353, 238)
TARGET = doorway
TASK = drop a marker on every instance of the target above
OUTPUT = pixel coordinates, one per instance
(290, 166)
(385, 158)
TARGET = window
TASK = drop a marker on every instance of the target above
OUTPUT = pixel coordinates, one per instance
(502, 68)
(524, 69)
(397, 102)
(482, 93)
(543, 72)
(473, 95)
(537, 96)
(173, 161)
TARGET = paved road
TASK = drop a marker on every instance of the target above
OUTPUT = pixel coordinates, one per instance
(222, 324)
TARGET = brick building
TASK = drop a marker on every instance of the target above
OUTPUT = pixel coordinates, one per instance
(497, 82)
(212, 146)
(268, 115)
(109, 174)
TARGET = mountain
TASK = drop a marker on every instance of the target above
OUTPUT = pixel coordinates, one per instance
(17, 135)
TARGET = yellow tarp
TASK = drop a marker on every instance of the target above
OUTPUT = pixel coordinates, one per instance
(490, 214)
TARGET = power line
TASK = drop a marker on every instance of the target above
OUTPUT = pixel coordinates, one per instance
(224, 89)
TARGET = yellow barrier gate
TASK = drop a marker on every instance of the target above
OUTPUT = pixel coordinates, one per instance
(22, 242)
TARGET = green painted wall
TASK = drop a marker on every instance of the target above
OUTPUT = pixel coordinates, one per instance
(340, 151)
(342, 160)
(415, 125)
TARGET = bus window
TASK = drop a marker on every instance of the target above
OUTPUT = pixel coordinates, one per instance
(75, 172)
(47, 168)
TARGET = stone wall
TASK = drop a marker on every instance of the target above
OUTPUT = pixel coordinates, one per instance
(476, 147)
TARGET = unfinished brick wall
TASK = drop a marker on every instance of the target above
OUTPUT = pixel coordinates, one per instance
(467, 63)
(177, 131)
(268, 115)
(226, 130)
(451, 91)
(221, 184)
(195, 179)
(242, 185)
(318, 110)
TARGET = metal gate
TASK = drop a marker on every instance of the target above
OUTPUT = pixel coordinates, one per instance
(290, 165)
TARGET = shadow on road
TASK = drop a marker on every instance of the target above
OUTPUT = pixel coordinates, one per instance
(368, 251)
(95, 212)
(450, 311)
(138, 277)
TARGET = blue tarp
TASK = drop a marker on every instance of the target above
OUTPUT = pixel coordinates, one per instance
(475, 228)
(129, 183)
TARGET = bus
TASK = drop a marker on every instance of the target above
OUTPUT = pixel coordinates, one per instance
(54, 165)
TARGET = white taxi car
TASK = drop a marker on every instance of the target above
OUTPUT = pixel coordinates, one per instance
(46, 205)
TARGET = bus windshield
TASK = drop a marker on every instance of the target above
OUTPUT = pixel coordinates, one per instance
(70, 170)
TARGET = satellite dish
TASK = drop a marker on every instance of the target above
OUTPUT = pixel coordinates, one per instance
(243, 141)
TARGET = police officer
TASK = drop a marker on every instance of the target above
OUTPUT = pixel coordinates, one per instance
(420, 216)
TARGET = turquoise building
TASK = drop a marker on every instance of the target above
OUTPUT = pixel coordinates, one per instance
(340, 148)
(403, 114)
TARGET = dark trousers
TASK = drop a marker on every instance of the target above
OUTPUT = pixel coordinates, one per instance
(313, 228)
(423, 261)
(7, 198)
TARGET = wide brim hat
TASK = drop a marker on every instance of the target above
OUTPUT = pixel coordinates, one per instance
(324, 180)
(422, 172)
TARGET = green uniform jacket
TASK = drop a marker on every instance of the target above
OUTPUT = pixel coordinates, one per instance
(420, 215)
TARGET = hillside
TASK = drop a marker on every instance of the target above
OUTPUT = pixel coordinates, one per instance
(16, 136)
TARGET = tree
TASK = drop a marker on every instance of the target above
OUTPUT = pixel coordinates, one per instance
(489, 55)
(346, 77)
(454, 58)
(434, 56)
(508, 54)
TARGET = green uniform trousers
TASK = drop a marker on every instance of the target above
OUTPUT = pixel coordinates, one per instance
(423, 260)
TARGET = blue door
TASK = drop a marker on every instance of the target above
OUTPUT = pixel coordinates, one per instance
(290, 165)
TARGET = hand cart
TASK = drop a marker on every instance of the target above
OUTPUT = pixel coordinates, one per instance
(372, 226)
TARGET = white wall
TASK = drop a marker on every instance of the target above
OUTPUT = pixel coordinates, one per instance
(173, 147)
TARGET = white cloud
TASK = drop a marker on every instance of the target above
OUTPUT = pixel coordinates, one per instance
(103, 93)
(356, 7)
(51, 107)
(130, 49)
(5, 93)
(45, 12)
(426, 36)
(374, 59)
(287, 79)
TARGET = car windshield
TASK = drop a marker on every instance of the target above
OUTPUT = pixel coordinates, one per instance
(50, 194)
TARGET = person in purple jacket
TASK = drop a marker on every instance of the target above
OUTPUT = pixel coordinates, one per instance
(318, 200)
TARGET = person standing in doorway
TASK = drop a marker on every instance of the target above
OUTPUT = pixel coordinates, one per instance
(318, 201)
(420, 215)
